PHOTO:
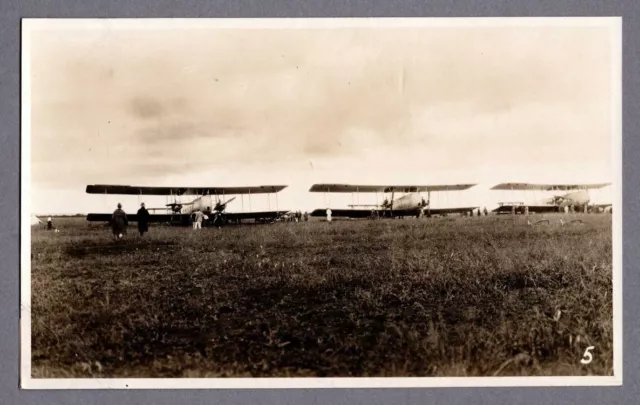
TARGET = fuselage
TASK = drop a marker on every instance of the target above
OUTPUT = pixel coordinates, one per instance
(575, 198)
(408, 201)
(203, 203)
(206, 204)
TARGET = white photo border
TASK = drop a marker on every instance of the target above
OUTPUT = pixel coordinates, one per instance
(26, 380)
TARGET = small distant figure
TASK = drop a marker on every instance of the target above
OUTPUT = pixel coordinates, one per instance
(50, 226)
(119, 222)
(306, 216)
(485, 211)
(328, 214)
(143, 220)
(198, 216)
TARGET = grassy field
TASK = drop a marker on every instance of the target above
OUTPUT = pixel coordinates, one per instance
(430, 297)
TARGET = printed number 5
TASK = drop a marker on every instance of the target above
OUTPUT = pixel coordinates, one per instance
(587, 357)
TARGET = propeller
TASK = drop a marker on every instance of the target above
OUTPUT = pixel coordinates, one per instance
(555, 200)
(221, 206)
(175, 207)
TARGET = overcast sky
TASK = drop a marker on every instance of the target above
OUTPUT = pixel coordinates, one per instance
(214, 107)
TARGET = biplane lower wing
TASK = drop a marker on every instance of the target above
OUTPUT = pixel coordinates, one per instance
(443, 211)
(535, 209)
(360, 213)
(185, 218)
(344, 213)
(539, 209)
(261, 215)
(94, 217)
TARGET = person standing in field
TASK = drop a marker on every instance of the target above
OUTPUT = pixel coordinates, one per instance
(143, 220)
(198, 216)
(119, 222)
(328, 214)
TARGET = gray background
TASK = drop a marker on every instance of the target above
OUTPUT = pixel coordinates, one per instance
(11, 11)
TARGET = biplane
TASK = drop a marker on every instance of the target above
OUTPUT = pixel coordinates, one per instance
(212, 201)
(410, 203)
(574, 197)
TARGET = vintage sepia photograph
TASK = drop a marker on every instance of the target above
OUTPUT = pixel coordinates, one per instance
(282, 203)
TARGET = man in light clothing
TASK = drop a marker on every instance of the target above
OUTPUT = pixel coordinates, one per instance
(198, 216)
(328, 214)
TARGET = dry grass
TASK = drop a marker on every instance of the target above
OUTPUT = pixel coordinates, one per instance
(470, 297)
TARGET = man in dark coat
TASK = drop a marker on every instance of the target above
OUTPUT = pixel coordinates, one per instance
(143, 220)
(119, 222)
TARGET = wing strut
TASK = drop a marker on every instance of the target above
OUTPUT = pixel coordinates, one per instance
(327, 194)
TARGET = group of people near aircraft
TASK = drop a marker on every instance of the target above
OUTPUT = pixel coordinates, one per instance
(296, 216)
(120, 222)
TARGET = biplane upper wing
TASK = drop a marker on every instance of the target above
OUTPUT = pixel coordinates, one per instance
(547, 187)
(351, 188)
(143, 190)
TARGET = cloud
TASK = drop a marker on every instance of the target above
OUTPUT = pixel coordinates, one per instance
(138, 106)
(180, 131)
(146, 108)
